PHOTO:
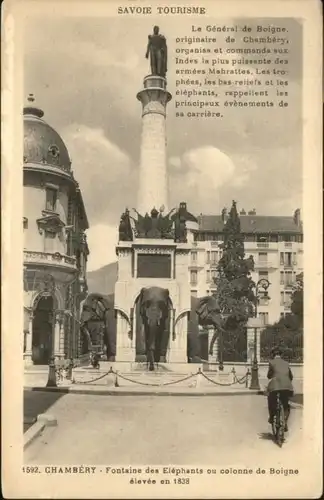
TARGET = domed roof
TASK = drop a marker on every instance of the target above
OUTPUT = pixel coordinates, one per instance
(42, 144)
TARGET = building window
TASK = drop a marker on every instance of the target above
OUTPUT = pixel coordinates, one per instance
(194, 293)
(288, 299)
(193, 277)
(49, 242)
(207, 276)
(263, 257)
(51, 198)
(213, 274)
(288, 259)
(282, 258)
(282, 315)
(194, 257)
(295, 259)
(249, 238)
(207, 292)
(288, 278)
(214, 258)
(263, 275)
(264, 318)
(289, 237)
(263, 299)
(282, 278)
(207, 257)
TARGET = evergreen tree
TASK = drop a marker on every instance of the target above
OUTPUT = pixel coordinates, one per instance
(234, 283)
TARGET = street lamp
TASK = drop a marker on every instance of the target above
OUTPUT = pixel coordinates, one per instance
(220, 351)
(264, 285)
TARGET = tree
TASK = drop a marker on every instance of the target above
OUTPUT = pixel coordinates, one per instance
(297, 305)
(288, 331)
(235, 287)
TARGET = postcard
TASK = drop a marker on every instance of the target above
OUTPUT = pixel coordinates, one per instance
(162, 297)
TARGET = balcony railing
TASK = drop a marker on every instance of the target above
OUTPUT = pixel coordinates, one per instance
(263, 302)
(266, 264)
(288, 244)
(56, 258)
(263, 244)
(288, 265)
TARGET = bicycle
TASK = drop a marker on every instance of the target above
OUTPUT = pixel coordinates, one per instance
(278, 424)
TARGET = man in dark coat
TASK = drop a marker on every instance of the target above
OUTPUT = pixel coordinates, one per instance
(280, 376)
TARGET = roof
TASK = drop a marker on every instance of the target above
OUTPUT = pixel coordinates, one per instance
(42, 144)
(252, 224)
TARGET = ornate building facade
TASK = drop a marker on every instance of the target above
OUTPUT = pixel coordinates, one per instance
(276, 244)
(55, 246)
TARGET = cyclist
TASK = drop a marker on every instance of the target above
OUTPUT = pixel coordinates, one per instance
(281, 381)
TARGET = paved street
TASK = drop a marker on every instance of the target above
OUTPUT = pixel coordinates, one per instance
(36, 403)
(161, 430)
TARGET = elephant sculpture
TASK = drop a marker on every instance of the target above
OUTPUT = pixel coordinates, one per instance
(205, 311)
(98, 317)
(154, 311)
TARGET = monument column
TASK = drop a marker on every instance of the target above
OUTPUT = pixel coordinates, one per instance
(153, 179)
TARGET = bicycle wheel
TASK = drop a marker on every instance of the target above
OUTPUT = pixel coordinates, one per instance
(280, 424)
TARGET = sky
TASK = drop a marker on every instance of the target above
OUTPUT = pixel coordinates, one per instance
(85, 74)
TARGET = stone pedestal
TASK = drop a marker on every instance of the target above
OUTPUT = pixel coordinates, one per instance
(128, 288)
(213, 358)
(153, 180)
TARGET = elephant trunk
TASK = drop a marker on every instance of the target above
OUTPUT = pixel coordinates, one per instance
(152, 342)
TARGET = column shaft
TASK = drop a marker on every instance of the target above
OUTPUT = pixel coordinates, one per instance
(28, 354)
(153, 179)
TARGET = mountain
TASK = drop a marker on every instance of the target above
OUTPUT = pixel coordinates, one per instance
(103, 280)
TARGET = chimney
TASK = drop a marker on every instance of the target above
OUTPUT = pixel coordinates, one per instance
(297, 218)
(252, 212)
(242, 212)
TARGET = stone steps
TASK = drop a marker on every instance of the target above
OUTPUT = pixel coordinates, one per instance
(152, 379)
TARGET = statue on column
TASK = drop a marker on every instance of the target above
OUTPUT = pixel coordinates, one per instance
(157, 49)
